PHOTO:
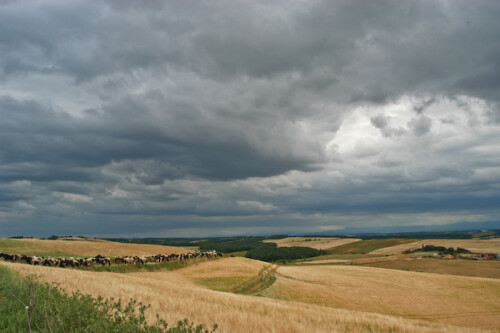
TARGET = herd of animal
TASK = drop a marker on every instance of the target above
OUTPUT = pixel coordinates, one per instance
(57, 262)
(167, 257)
(102, 260)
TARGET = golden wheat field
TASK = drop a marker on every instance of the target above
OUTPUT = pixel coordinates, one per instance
(478, 268)
(474, 245)
(457, 300)
(174, 296)
(322, 262)
(318, 243)
(80, 247)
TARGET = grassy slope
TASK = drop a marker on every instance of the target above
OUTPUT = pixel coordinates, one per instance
(318, 243)
(54, 311)
(173, 295)
(487, 269)
(457, 300)
(21, 246)
(237, 275)
(231, 274)
(69, 248)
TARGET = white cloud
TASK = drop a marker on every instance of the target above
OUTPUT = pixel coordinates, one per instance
(73, 197)
(256, 205)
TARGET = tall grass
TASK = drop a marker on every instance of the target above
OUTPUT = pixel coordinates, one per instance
(173, 295)
(54, 311)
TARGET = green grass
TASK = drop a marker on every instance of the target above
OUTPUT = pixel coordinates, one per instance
(262, 281)
(241, 284)
(369, 245)
(239, 253)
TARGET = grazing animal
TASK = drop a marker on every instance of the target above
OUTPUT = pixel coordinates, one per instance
(89, 262)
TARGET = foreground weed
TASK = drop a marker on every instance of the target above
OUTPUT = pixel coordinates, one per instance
(55, 311)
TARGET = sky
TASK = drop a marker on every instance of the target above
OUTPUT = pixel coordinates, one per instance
(197, 118)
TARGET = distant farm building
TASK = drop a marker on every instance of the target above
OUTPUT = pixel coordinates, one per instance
(489, 256)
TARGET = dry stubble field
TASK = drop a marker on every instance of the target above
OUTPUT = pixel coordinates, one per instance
(318, 243)
(474, 245)
(302, 299)
(174, 296)
(477, 268)
(456, 300)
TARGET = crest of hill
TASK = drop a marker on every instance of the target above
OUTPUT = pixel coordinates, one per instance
(318, 243)
(82, 247)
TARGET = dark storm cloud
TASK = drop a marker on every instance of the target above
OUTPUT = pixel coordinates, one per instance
(168, 110)
(41, 136)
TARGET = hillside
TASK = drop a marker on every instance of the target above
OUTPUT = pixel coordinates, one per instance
(174, 297)
(324, 295)
(456, 300)
(474, 245)
(81, 247)
(319, 243)
(477, 268)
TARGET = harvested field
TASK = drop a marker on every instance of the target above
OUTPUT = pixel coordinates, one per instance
(322, 262)
(474, 245)
(479, 268)
(318, 243)
(451, 299)
(369, 245)
(55, 248)
(179, 297)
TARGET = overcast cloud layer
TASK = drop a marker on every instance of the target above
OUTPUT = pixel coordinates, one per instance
(187, 118)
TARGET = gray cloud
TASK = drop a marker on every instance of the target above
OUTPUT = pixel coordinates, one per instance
(383, 124)
(184, 115)
(420, 125)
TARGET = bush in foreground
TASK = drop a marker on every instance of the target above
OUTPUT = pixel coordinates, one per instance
(54, 311)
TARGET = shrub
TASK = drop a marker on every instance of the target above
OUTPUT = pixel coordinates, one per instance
(55, 311)
(272, 253)
(440, 249)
